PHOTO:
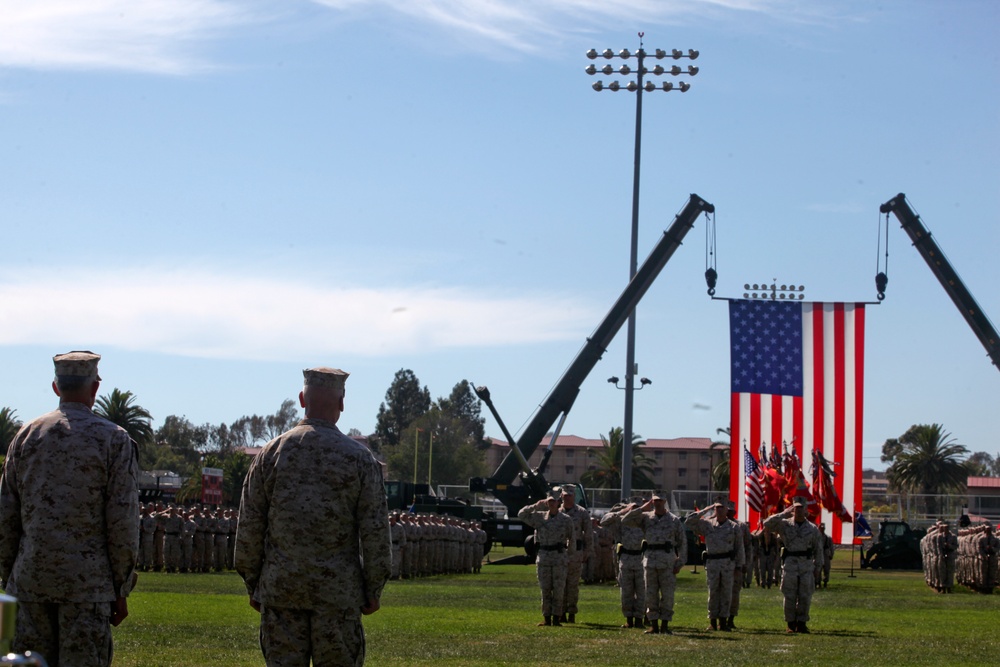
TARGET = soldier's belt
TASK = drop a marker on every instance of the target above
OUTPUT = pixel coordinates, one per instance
(666, 546)
(808, 553)
(630, 552)
(552, 547)
(729, 554)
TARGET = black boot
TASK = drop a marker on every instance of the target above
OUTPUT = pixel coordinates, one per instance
(640, 622)
(793, 627)
(714, 624)
(724, 623)
(802, 628)
(664, 630)
(571, 618)
(547, 621)
(555, 620)
(654, 627)
(629, 622)
(732, 626)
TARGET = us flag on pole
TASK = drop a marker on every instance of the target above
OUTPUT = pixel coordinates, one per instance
(753, 487)
(797, 372)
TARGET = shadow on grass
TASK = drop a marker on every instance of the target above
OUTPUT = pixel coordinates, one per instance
(702, 633)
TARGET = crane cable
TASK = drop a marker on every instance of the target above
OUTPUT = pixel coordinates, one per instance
(882, 269)
(711, 255)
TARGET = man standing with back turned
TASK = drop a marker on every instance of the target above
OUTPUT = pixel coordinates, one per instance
(312, 543)
(69, 523)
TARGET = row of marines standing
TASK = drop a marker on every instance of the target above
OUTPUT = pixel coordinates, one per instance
(652, 549)
(428, 544)
(186, 539)
(971, 557)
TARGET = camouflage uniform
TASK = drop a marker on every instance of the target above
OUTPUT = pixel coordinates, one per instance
(803, 551)
(743, 530)
(147, 527)
(631, 581)
(312, 543)
(69, 531)
(665, 541)
(723, 555)
(556, 542)
(397, 533)
(584, 535)
(188, 531)
(172, 527)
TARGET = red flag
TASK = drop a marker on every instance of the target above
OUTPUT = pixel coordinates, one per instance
(797, 372)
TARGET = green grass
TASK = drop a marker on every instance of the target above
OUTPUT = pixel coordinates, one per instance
(875, 618)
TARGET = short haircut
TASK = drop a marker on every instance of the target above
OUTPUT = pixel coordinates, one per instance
(73, 382)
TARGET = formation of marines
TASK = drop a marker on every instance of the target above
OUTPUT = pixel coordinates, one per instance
(427, 544)
(969, 557)
(175, 538)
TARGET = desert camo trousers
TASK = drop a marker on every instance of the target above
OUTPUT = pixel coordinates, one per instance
(67, 635)
(291, 637)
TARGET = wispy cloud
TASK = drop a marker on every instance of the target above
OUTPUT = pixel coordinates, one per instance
(139, 35)
(174, 36)
(205, 314)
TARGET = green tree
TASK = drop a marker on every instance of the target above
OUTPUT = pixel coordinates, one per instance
(467, 409)
(720, 470)
(9, 426)
(606, 471)
(980, 464)
(928, 462)
(440, 442)
(120, 407)
(178, 445)
(405, 402)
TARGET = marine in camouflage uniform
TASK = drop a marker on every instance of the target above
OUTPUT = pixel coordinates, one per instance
(584, 536)
(664, 542)
(188, 531)
(397, 533)
(147, 528)
(723, 555)
(631, 581)
(172, 527)
(738, 572)
(312, 543)
(802, 554)
(69, 523)
(556, 541)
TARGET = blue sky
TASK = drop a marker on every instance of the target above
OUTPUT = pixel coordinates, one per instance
(215, 195)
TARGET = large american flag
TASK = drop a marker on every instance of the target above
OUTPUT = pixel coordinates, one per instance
(797, 372)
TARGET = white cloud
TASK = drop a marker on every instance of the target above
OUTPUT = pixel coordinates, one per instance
(172, 36)
(139, 35)
(531, 25)
(203, 314)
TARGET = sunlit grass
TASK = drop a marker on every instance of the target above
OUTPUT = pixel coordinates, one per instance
(874, 618)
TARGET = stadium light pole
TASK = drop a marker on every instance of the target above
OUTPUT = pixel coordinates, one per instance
(638, 87)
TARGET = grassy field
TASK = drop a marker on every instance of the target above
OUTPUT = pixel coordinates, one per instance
(875, 618)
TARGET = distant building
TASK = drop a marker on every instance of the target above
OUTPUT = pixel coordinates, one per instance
(984, 497)
(679, 464)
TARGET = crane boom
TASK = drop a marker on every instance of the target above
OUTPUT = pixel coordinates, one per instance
(560, 400)
(946, 275)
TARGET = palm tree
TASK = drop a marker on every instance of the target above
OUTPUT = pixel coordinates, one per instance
(119, 408)
(9, 426)
(607, 470)
(929, 462)
(720, 471)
